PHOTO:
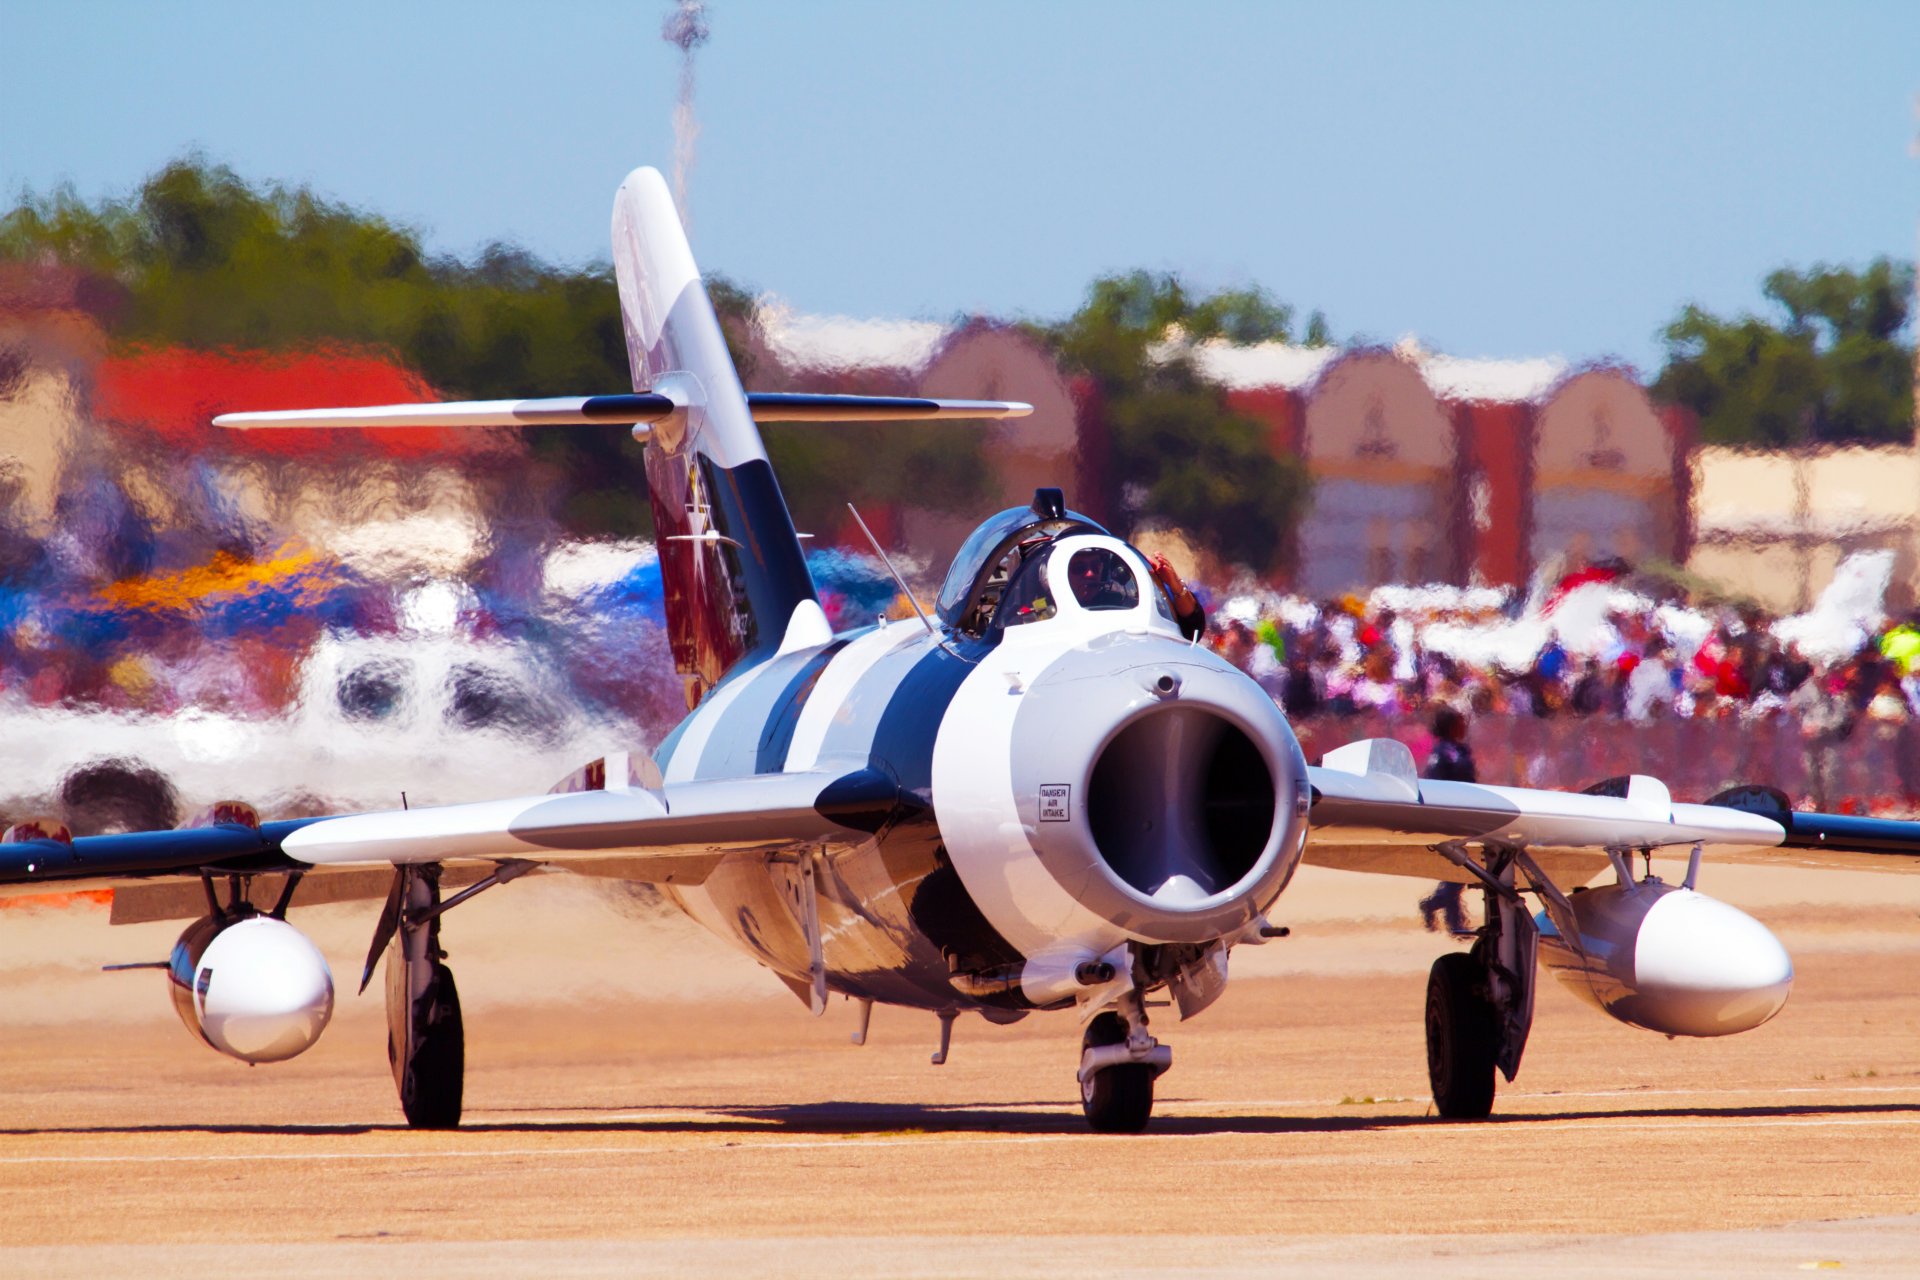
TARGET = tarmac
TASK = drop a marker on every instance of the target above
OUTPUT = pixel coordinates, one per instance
(642, 1101)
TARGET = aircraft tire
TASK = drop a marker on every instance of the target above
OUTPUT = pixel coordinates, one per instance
(432, 1080)
(1462, 1038)
(1116, 1099)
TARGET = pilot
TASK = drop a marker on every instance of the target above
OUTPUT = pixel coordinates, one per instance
(1186, 606)
(1101, 580)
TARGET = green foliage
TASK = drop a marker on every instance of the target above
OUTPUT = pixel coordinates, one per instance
(733, 304)
(207, 260)
(824, 466)
(1832, 367)
(1172, 437)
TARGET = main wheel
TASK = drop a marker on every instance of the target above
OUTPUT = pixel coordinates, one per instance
(432, 1080)
(1462, 1038)
(1117, 1099)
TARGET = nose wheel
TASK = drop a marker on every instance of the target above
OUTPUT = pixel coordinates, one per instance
(1117, 1098)
(1119, 1061)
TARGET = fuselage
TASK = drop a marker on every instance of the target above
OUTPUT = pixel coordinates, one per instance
(994, 878)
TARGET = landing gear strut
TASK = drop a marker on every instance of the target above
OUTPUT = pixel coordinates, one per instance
(1480, 1002)
(1118, 1064)
(425, 1040)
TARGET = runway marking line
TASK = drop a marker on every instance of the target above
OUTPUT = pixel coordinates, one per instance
(1291, 1104)
(493, 1153)
(516, 1153)
(1224, 1105)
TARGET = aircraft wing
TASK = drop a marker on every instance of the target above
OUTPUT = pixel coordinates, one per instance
(672, 834)
(1372, 812)
(700, 821)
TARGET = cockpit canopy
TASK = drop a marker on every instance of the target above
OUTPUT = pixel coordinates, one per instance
(994, 553)
(1095, 580)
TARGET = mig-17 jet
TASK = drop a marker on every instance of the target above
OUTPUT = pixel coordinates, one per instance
(1040, 795)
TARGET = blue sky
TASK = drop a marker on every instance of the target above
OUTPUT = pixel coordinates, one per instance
(1502, 180)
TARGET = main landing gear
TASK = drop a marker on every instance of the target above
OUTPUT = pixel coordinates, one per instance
(1480, 1002)
(1462, 1039)
(1119, 1062)
(426, 1040)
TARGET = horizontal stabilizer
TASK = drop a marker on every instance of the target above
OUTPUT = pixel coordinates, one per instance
(556, 411)
(640, 406)
(796, 406)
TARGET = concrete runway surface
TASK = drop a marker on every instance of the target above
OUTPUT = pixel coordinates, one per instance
(642, 1101)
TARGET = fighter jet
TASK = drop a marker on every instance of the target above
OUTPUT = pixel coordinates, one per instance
(1037, 797)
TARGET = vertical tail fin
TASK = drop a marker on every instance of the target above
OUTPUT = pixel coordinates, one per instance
(737, 586)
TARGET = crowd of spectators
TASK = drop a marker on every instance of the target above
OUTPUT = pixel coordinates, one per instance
(1590, 650)
(1345, 658)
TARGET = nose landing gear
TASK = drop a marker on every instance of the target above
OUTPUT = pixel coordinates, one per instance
(1119, 1062)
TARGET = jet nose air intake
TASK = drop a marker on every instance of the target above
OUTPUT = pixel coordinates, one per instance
(1181, 803)
(1158, 786)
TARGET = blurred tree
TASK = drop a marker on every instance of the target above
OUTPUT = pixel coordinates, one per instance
(1172, 440)
(1319, 333)
(824, 466)
(211, 261)
(1834, 367)
(739, 317)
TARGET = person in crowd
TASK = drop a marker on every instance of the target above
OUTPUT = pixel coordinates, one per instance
(1901, 645)
(1235, 643)
(1825, 714)
(1450, 761)
(1341, 682)
(1888, 705)
(1589, 696)
(1375, 689)
(1650, 688)
(1300, 694)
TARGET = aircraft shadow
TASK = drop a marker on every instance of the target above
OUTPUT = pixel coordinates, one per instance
(880, 1119)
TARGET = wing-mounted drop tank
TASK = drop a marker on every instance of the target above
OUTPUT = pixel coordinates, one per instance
(1666, 958)
(252, 986)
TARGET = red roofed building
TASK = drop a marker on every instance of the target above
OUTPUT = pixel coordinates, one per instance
(1431, 468)
(142, 420)
(173, 395)
(977, 359)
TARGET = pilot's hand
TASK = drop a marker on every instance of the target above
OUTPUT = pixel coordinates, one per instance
(1167, 575)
